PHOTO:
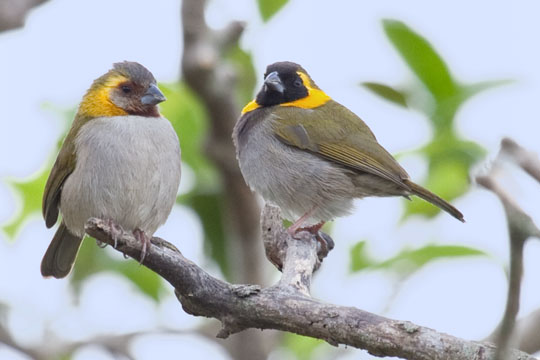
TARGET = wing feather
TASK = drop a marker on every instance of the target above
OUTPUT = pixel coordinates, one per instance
(348, 142)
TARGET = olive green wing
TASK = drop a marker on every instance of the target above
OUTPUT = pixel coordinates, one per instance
(63, 167)
(337, 134)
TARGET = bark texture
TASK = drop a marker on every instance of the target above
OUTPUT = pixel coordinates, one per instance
(213, 80)
(13, 12)
(287, 305)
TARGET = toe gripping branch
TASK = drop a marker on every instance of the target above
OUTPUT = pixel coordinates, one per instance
(296, 257)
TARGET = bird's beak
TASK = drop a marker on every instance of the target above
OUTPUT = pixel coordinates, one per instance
(273, 82)
(153, 96)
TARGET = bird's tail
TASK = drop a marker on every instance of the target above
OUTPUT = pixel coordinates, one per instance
(61, 253)
(434, 199)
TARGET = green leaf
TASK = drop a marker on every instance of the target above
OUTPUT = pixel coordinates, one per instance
(30, 192)
(91, 260)
(302, 347)
(449, 162)
(359, 257)
(145, 279)
(209, 208)
(418, 53)
(449, 148)
(412, 260)
(409, 261)
(189, 120)
(474, 89)
(268, 8)
(387, 92)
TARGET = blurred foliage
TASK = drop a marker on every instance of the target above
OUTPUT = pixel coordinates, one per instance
(449, 156)
(386, 92)
(268, 8)
(188, 119)
(30, 192)
(190, 122)
(247, 77)
(91, 260)
(302, 347)
(408, 261)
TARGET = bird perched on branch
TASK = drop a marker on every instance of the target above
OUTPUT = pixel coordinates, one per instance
(311, 156)
(120, 161)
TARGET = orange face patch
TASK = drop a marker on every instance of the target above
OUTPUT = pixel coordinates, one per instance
(97, 102)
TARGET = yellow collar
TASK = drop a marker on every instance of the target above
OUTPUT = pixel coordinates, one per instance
(315, 98)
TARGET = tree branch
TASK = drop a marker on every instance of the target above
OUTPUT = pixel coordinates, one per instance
(205, 70)
(520, 227)
(526, 333)
(213, 81)
(13, 12)
(287, 305)
(527, 160)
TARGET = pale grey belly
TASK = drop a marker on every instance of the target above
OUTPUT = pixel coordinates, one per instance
(127, 173)
(295, 180)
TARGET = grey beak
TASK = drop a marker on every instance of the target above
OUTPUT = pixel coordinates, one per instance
(273, 82)
(153, 96)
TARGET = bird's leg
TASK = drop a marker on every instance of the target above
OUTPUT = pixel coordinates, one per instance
(314, 229)
(144, 239)
(325, 241)
(293, 229)
(116, 231)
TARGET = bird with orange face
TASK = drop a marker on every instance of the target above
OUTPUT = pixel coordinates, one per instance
(120, 161)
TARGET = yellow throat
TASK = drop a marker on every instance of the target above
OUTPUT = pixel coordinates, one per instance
(97, 103)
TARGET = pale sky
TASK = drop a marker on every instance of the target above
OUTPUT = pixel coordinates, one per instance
(66, 44)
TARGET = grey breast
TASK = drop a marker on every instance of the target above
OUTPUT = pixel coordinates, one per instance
(293, 179)
(128, 170)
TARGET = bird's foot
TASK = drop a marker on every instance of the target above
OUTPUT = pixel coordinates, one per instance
(116, 231)
(145, 241)
(325, 242)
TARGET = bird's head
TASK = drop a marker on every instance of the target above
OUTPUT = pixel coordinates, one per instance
(127, 89)
(287, 84)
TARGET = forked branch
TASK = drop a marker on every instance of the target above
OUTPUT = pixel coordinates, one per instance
(287, 305)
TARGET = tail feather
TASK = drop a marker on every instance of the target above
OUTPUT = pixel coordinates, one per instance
(61, 253)
(434, 199)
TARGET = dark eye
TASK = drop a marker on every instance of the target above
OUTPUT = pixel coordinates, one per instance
(298, 83)
(126, 89)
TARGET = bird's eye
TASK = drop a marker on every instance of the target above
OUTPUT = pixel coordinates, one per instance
(298, 83)
(126, 89)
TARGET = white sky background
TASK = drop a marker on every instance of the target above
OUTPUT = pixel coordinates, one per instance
(66, 44)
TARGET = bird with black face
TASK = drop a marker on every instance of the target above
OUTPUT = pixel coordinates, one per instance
(311, 156)
(120, 161)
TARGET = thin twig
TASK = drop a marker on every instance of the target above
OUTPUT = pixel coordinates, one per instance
(527, 160)
(520, 227)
